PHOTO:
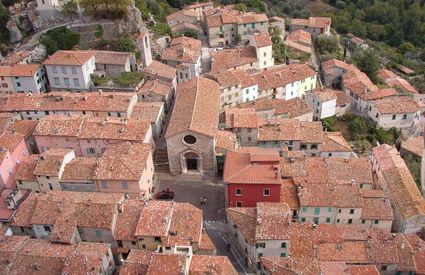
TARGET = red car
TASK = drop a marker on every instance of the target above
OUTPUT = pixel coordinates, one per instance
(165, 195)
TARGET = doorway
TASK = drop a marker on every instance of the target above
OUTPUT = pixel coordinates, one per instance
(192, 164)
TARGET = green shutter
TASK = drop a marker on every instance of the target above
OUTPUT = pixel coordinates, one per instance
(317, 211)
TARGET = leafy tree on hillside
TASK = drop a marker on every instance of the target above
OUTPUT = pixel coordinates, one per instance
(368, 63)
(60, 39)
(70, 8)
(4, 17)
(126, 44)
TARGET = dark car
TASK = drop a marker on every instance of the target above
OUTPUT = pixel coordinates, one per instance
(165, 195)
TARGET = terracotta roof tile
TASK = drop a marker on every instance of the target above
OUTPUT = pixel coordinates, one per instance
(376, 209)
(33, 256)
(293, 108)
(154, 219)
(151, 263)
(288, 194)
(300, 36)
(127, 220)
(64, 101)
(330, 194)
(399, 105)
(359, 84)
(226, 79)
(114, 129)
(262, 39)
(147, 111)
(183, 49)
(209, 264)
(418, 246)
(281, 76)
(5, 71)
(199, 5)
(333, 169)
(25, 171)
(335, 142)
(70, 58)
(313, 22)
(155, 87)
(79, 169)
(181, 27)
(325, 94)
(414, 145)
(245, 78)
(183, 12)
(405, 194)
(245, 219)
(51, 161)
(196, 108)
(111, 57)
(225, 140)
(24, 70)
(10, 140)
(252, 166)
(232, 58)
(24, 127)
(273, 221)
(58, 125)
(64, 211)
(291, 129)
(123, 161)
(341, 99)
(242, 118)
(15, 58)
(158, 69)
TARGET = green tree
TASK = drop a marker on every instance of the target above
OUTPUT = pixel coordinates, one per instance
(191, 33)
(125, 44)
(4, 17)
(325, 44)
(241, 7)
(363, 145)
(368, 63)
(60, 39)
(90, 6)
(358, 127)
(70, 9)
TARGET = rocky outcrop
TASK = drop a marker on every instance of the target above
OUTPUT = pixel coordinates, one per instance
(15, 32)
(39, 53)
(24, 23)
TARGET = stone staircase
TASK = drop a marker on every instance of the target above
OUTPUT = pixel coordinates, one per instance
(161, 160)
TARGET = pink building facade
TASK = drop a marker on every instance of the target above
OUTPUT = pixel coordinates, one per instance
(10, 157)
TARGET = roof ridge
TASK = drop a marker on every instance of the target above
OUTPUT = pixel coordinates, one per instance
(194, 103)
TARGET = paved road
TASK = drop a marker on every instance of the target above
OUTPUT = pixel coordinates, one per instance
(191, 192)
(217, 233)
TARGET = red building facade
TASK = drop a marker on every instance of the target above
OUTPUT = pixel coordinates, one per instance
(252, 175)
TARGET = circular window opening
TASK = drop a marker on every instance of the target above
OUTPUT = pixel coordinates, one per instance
(189, 139)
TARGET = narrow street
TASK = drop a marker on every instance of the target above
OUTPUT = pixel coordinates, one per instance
(217, 233)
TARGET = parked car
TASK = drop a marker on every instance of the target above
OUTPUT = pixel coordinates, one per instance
(165, 194)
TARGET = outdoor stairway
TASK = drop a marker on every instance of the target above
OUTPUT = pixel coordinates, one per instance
(161, 160)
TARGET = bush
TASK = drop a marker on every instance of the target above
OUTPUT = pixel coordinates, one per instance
(99, 32)
(340, 5)
(4, 17)
(125, 44)
(128, 79)
(160, 29)
(191, 33)
(329, 123)
(99, 81)
(60, 39)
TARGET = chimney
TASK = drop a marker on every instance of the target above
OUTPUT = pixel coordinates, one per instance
(353, 182)
(276, 174)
